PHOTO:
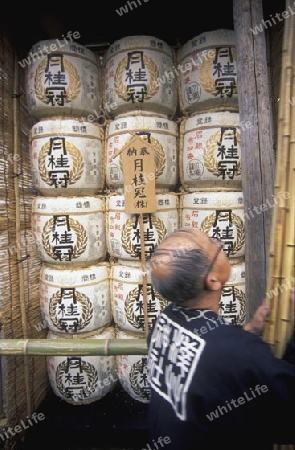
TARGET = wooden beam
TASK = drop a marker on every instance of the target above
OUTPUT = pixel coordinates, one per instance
(257, 144)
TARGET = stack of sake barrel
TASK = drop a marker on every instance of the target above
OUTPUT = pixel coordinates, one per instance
(68, 215)
(138, 103)
(210, 156)
(183, 103)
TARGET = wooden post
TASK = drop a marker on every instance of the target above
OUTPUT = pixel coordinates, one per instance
(257, 144)
(139, 186)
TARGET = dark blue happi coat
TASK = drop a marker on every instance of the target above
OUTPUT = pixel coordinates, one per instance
(216, 386)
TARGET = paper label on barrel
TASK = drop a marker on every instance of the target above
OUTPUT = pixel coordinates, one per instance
(62, 81)
(232, 304)
(209, 71)
(133, 376)
(63, 238)
(82, 379)
(57, 80)
(123, 230)
(211, 76)
(218, 214)
(75, 300)
(211, 152)
(70, 310)
(62, 161)
(128, 304)
(79, 379)
(75, 310)
(161, 133)
(132, 79)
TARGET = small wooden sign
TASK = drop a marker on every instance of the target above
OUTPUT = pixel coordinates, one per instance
(138, 166)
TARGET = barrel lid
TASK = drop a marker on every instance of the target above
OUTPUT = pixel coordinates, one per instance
(141, 122)
(142, 113)
(211, 119)
(67, 205)
(122, 334)
(107, 332)
(218, 199)
(129, 274)
(45, 47)
(164, 201)
(209, 39)
(68, 277)
(137, 42)
(65, 127)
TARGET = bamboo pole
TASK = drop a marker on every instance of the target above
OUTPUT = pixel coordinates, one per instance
(277, 326)
(283, 110)
(77, 347)
(284, 320)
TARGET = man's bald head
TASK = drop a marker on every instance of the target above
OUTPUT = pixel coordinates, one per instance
(179, 264)
(187, 265)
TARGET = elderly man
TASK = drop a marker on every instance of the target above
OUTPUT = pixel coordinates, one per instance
(213, 385)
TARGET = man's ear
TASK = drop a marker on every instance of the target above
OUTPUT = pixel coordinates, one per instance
(211, 283)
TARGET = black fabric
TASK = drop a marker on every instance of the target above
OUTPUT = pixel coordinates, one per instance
(215, 385)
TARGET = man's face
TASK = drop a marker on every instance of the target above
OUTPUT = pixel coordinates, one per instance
(221, 266)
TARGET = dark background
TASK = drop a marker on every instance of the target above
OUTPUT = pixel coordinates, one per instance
(99, 23)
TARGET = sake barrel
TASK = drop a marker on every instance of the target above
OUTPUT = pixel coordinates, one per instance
(159, 131)
(208, 72)
(219, 214)
(232, 304)
(210, 151)
(132, 372)
(75, 300)
(67, 157)
(62, 78)
(80, 380)
(123, 237)
(127, 299)
(69, 230)
(138, 76)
